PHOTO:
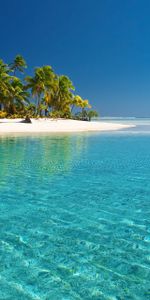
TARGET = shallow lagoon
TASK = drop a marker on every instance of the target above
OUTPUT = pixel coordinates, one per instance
(75, 217)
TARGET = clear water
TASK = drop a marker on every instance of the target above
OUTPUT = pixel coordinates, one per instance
(142, 125)
(75, 217)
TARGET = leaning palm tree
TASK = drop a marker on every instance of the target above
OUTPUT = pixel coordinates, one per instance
(79, 102)
(19, 64)
(16, 97)
(4, 82)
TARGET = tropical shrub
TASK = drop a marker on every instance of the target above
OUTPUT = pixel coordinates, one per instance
(16, 116)
(92, 114)
(3, 114)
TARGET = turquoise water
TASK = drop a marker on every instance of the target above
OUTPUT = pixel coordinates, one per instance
(75, 217)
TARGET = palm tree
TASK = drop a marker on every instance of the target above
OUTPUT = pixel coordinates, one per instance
(51, 82)
(36, 85)
(63, 94)
(12, 94)
(19, 64)
(42, 85)
(79, 102)
(4, 82)
(16, 97)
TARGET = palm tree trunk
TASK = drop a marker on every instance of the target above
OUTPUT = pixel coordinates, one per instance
(38, 104)
(46, 111)
(72, 108)
(11, 108)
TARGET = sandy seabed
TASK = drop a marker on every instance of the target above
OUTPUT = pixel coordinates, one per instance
(56, 125)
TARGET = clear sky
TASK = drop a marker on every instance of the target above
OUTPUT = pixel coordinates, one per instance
(102, 45)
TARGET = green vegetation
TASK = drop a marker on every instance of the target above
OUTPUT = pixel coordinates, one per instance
(43, 94)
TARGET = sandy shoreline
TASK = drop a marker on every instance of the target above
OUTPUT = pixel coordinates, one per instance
(59, 125)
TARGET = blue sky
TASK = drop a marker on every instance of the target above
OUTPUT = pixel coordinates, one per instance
(102, 45)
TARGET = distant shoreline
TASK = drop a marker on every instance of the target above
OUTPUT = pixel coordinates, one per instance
(56, 125)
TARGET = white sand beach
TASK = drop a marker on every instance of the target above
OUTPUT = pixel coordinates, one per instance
(57, 125)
